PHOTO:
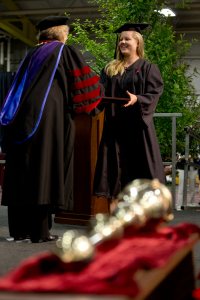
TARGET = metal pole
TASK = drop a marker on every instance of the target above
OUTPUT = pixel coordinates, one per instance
(174, 160)
(187, 145)
(8, 55)
(2, 53)
(173, 116)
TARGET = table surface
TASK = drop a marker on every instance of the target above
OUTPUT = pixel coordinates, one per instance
(149, 280)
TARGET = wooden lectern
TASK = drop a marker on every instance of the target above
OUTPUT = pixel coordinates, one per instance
(88, 135)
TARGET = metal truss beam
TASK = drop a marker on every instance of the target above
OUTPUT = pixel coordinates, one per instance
(25, 32)
(17, 33)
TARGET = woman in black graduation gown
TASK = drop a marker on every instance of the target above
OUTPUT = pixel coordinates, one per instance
(52, 84)
(129, 149)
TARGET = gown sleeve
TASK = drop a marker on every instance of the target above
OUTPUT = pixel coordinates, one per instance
(86, 89)
(152, 90)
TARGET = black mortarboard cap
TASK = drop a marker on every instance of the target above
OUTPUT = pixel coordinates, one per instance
(132, 27)
(52, 21)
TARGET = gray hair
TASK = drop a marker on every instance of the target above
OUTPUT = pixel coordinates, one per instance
(54, 33)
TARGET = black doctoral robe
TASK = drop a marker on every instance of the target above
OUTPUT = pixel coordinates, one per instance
(52, 84)
(129, 149)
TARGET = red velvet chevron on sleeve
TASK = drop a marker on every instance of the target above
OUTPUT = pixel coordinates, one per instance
(86, 89)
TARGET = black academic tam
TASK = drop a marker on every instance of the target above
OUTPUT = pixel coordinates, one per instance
(52, 21)
(132, 27)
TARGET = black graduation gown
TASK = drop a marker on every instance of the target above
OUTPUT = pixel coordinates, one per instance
(129, 149)
(39, 167)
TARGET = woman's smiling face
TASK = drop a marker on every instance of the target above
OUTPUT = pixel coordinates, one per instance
(127, 43)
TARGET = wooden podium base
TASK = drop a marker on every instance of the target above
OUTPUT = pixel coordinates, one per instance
(72, 218)
(88, 136)
(98, 205)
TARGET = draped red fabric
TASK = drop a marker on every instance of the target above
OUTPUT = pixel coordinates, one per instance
(112, 269)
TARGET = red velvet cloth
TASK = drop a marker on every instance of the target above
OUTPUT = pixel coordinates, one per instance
(112, 269)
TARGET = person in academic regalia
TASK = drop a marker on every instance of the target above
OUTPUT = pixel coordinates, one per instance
(52, 84)
(129, 148)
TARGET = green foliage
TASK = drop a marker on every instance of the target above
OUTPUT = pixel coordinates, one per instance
(97, 41)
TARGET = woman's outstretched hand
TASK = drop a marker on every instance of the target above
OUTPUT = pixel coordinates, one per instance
(133, 99)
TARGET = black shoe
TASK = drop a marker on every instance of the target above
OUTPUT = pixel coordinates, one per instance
(22, 239)
(50, 238)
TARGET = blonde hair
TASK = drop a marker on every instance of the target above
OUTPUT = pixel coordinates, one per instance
(116, 66)
(54, 33)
